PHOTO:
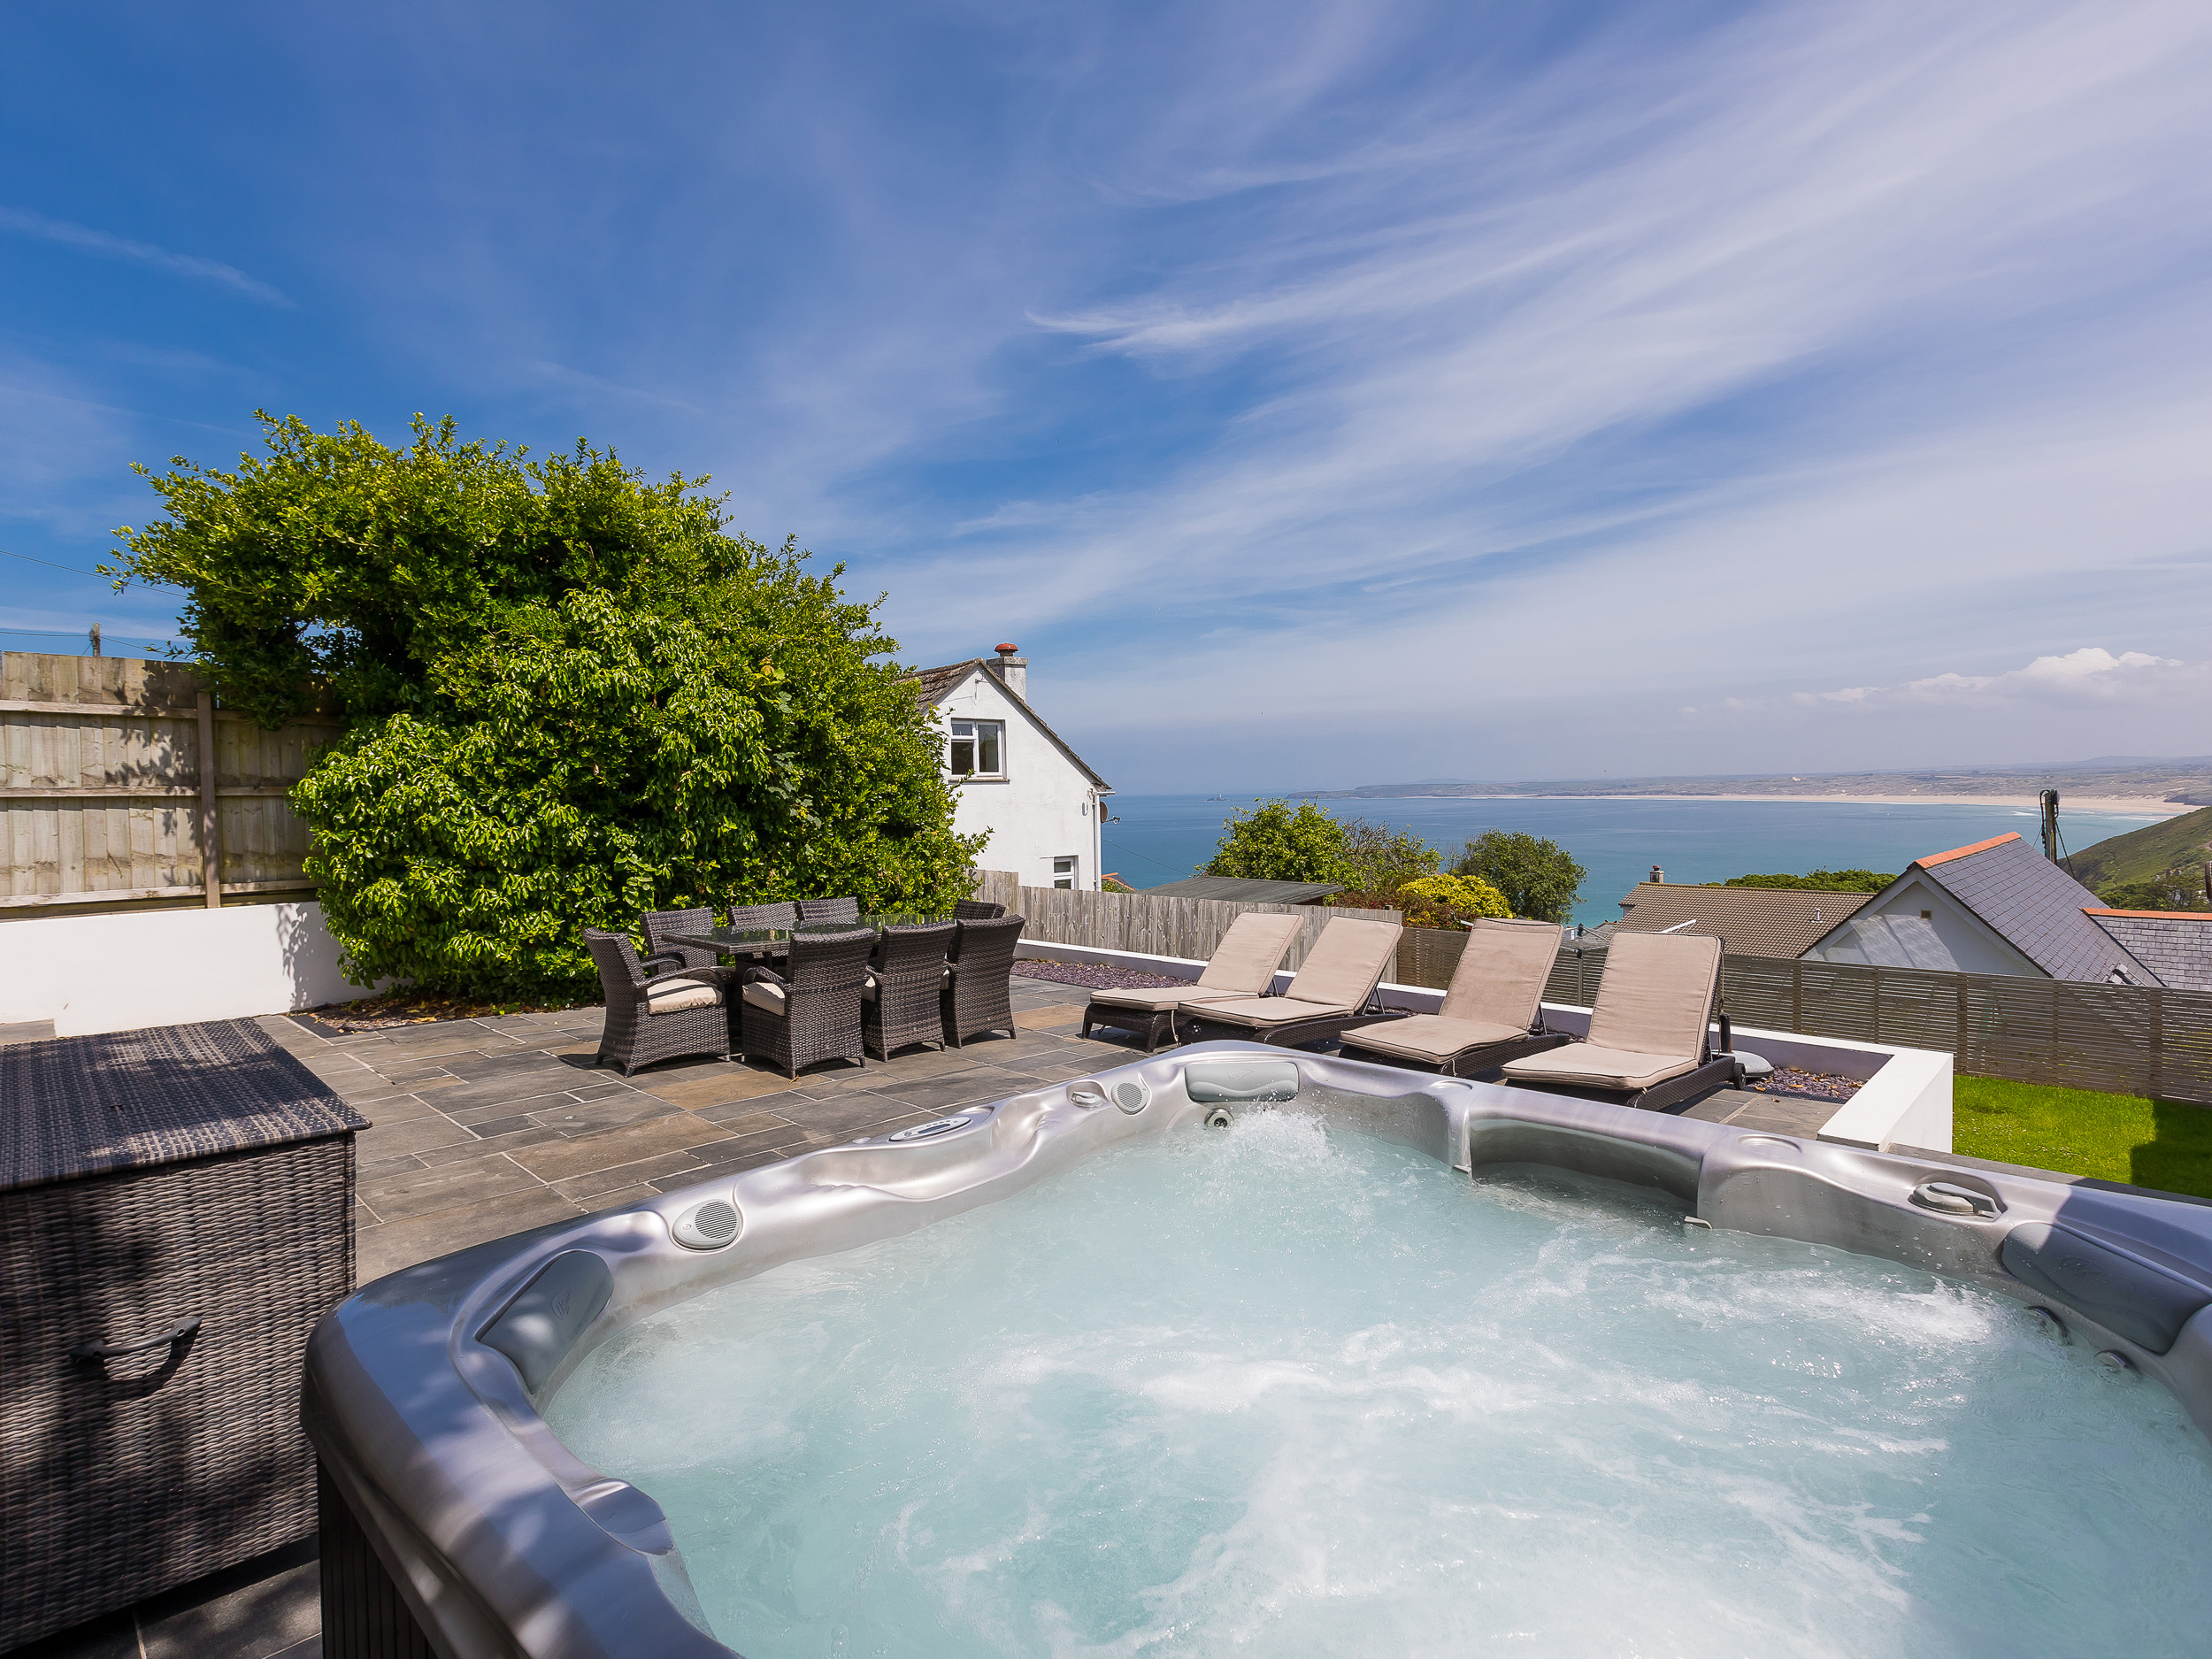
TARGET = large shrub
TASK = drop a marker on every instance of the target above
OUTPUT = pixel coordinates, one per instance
(1269, 842)
(572, 697)
(1538, 878)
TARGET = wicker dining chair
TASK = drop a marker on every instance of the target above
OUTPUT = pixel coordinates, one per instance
(810, 1012)
(679, 1012)
(660, 924)
(900, 1004)
(829, 910)
(782, 914)
(975, 910)
(977, 997)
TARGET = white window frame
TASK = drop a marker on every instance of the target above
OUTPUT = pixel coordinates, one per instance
(981, 737)
(1067, 870)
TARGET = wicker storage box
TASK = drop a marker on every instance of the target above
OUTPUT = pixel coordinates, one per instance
(182, 1198)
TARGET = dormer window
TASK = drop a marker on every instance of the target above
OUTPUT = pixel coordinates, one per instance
(978, 749)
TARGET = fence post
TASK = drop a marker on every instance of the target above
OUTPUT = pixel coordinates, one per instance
(1797, 994)
(1958, 1055)
(2158, 1043)
(211, 833)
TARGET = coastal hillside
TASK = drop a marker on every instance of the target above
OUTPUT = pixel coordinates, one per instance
(2187, 780)
(2145, 854)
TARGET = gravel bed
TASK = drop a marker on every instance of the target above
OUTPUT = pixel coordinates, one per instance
(1808, 1085)
(1093, 976)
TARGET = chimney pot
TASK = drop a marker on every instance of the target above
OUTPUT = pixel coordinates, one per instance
(1657, 874)
(1012, 671)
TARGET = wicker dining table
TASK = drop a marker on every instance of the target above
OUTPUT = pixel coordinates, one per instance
(766, 944)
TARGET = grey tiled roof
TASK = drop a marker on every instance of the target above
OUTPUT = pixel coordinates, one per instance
(2177, 948)
(2035, 906)
(1755, 921)
(1244, 891)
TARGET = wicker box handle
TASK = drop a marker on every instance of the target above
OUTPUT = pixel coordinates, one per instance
(175, 1334)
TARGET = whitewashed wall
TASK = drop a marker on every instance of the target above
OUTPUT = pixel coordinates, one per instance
(95, 973)
(1044, 808)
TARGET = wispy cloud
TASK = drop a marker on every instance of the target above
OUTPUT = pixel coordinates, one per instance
(2089, 674)
(83, 237)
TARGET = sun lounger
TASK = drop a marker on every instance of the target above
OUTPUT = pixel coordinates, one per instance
(1493, 1011)
(1243, 965)
(1650, 1041)
(1333, 992)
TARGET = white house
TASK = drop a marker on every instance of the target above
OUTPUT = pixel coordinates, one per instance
(1013, 775)
(1996, 907)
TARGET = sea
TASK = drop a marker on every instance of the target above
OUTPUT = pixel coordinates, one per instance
(1152, 839)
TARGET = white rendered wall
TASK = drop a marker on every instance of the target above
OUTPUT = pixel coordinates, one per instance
(1974, 947)
(1044, 808)
(95, 973)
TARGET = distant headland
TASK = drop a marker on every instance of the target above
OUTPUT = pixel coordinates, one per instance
(2118, 783)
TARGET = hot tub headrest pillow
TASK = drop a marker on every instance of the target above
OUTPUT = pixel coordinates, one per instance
(1213, 1084)
(541, 1324)
(2122, 1292)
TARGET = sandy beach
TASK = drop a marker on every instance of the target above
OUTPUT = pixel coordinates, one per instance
(2140, 805)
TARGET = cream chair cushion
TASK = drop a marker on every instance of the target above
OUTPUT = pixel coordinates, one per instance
(1270, 1011)
(673, 996)
(1500, 979)
(761, 995)
(1657, 996)
(1346, 963)
(1431, 1037)
(1243, 963)
(1157, 997)
(1589, 1066)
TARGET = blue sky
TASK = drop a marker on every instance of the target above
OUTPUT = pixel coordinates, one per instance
(1320, 395)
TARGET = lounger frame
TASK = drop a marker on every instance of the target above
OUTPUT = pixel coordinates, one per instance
(1468, 1062)
(1289, 1034)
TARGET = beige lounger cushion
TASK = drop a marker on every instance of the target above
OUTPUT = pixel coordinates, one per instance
(1162, 996)
(1271, 1010)
(1589, 1066)
(760, 993)
(1657, 996)
(1346, 963)
(1243, 963)
(673, 996)
(1431, 1037)
(1500, 979)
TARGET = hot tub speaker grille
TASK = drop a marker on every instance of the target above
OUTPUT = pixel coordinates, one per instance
(707, 1226)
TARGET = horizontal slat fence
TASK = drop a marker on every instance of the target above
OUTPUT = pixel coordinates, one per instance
(102, 797)
(1189, 928)
(2121, 1038)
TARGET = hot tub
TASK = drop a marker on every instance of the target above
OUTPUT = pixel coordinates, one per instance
(1382, 1362)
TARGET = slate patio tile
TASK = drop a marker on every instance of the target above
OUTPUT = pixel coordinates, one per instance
(745, 1116)
(718, 1171)
(472, 1068)
(591, 1183)
(722, 1088)
(398, 1197)
(257, 1609)
(506, 1140)
(623, 1195)
(402, 1243)
(574, 1155)
(574, 1118)
(418, 1134)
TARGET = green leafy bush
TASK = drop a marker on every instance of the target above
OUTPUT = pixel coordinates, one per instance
(1269, 842)
(1539, 879)
(2172, 891)
(1818, 881)
(572, 697)
(1381, 859)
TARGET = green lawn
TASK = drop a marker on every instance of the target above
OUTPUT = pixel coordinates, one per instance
(2112, 1137)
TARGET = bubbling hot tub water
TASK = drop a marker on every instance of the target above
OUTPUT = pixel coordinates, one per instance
(1287, 1390)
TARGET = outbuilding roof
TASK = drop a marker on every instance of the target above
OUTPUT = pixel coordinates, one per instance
(1753, 921)
(1244, 892)
(932, 686)
(2032, 904)
(2174, 945)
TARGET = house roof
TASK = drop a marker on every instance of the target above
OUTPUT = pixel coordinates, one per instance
(2174, 945)
(2029, 903)
(1755, 921)
(932, 686)
(1244, 892)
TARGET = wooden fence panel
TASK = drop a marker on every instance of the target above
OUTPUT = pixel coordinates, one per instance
(1189, 929)
(100, 776)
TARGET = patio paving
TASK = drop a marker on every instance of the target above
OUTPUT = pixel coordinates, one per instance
(484, 1127)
